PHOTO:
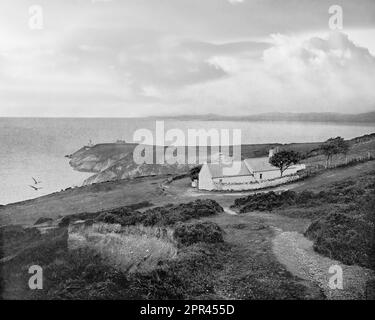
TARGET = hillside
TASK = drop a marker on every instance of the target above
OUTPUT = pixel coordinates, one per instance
(114, 161)
(226, 255)
(368, 117)
(110, 162)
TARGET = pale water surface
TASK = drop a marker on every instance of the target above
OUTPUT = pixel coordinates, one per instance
(36, 147)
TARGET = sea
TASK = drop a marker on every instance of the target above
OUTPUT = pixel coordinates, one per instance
(36, 147)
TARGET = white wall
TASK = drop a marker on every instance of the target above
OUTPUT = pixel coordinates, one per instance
(233, 183)
(257, 184)
(239, 183)
(294, 169)
(205, 179)
(274, 174)
(267, 175)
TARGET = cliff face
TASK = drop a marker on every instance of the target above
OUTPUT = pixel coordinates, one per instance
(99, 157)
(115, 161)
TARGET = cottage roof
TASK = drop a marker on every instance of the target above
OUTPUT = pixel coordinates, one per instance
(261, 164)
(217, 169)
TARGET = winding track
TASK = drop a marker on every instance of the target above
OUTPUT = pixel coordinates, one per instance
(296, 253)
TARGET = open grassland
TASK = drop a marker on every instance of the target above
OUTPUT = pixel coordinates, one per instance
(218, 257)
(203, 249)
(132, 248)
(342, 212)
(93, 259)
(91, 199)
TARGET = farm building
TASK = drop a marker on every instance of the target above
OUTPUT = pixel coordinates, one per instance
(253, 173)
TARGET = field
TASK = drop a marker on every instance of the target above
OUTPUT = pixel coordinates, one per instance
(104, 241)
(225, 258)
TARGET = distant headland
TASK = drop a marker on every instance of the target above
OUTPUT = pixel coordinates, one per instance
(368, 117)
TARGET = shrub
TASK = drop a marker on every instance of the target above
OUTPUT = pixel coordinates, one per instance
(265, 201)
(102, 215)
(343, 192)
(14, 238)
(348, 238)
(188, 234)
(109, 218)
(43, 220)
(83, 274)
(194, 172)
(163, 216)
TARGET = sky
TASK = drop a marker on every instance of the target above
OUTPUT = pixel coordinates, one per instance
(131, 58)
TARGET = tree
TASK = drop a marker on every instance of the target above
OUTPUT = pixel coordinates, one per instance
(284, 159)
(334, 146)
(194, 172)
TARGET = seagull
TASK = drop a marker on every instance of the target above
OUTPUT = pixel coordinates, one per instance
(35, 188)
(36, 181)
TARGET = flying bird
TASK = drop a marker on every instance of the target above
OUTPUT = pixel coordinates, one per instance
(35, 188)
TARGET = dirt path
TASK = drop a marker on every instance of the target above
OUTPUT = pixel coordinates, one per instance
(270, 258)
(296, 253)
(250, 269)
(230, 211)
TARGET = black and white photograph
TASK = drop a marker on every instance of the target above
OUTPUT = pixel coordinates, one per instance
(200, 152)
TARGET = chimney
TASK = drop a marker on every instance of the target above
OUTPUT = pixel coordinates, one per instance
(271, 153)
(220, 158)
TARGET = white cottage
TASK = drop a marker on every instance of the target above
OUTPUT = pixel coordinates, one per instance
(253, 173)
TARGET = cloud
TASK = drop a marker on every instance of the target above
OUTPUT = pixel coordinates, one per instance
(140, 57)
(316, 75)
(235, 1)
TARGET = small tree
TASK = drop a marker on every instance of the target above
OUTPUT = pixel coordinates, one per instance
(284, 159)
(334, 146)
(194, 172)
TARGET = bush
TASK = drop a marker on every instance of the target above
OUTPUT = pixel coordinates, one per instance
(194, 172)
(83, 274)
(188, 234)
(163, 216)
(15, 237)
(344, 237)
(101, 215)
(265, 201)
(43, 220)
(343, 192)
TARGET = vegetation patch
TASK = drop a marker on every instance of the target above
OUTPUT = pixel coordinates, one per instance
(348, 192)
(348, 237)
(65, 221)
(93, 272)
(13, 238)
(187, 234)
(342, 213)
(84, 274)
(131, 248)
(163, 216)
(43, 220)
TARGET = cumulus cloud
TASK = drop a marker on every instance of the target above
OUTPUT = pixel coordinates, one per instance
(181, 57)
(235, 1)
(315, 75)
(174, 76)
